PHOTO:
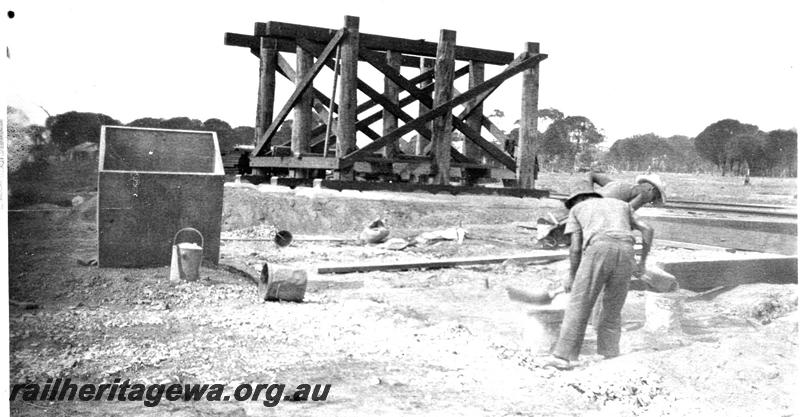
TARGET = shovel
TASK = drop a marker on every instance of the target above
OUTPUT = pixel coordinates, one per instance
(533, 297)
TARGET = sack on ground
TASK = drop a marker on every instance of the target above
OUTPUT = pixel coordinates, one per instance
(659, 280)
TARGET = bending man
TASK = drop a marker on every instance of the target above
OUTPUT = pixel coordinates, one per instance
(646, 189)
(601, 260)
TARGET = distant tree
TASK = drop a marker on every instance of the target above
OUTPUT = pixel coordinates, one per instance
(639, 152)
(147, 122)
(216, 125)
(710, 143)
(781, 151)
(685, 157)
(566, 137)
(551, 114)
(589, 156)
(650, 151)
(547, 117)
(71, 128)
(745, 152)
(225, 135)
(182, 123)
(244, 135)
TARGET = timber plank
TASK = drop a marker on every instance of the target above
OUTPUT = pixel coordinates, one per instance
(691, 246)
(705, 275)
(441, 263)
(719, 208)
(411, 187)
(756, 235)
(308, 162)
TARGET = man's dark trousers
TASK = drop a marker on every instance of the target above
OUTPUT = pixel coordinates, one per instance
(607, 263)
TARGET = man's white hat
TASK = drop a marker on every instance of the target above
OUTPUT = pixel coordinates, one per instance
(655, 180)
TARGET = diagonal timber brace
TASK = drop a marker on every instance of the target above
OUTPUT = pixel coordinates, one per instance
(304, 84)
(363, 124)
(381, 100)
(524, 62)
(321, 101)
(528, 62)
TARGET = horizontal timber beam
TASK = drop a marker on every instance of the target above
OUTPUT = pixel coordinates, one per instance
(382, 43)
(289, 45)
(308, 162)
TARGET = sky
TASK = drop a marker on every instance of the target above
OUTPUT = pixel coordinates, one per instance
(632, 67)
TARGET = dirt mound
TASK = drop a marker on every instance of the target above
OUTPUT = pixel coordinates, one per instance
(313, 211)
(761, 302)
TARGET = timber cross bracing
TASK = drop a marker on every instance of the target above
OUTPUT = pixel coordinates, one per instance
(434, 157)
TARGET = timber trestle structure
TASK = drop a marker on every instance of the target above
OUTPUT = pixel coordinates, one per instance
(324, 146)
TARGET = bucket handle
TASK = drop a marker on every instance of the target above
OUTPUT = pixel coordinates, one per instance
(175, 239)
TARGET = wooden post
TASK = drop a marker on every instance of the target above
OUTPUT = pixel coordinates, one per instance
(528, 129)
(301, 127)
(348, 99)
(392, 92)
(476, 76)
(425, 64)
(443, 92)
(266, 85)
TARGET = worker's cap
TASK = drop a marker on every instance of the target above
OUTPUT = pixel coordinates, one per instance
(580, 188)
(655, 181)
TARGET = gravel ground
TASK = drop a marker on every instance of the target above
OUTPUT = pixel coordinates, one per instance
(418, 342)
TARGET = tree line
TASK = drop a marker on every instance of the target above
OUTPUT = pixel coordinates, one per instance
(652, 152)
(71, 128)
(743, 148)
(727, 146)
(566, 143)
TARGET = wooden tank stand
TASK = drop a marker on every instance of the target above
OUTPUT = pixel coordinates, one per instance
(324, 146)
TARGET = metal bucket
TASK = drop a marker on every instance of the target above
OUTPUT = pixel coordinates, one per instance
(543, 331)
(663, 312)
(279, 283)
(186, 258)
(283, 238)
